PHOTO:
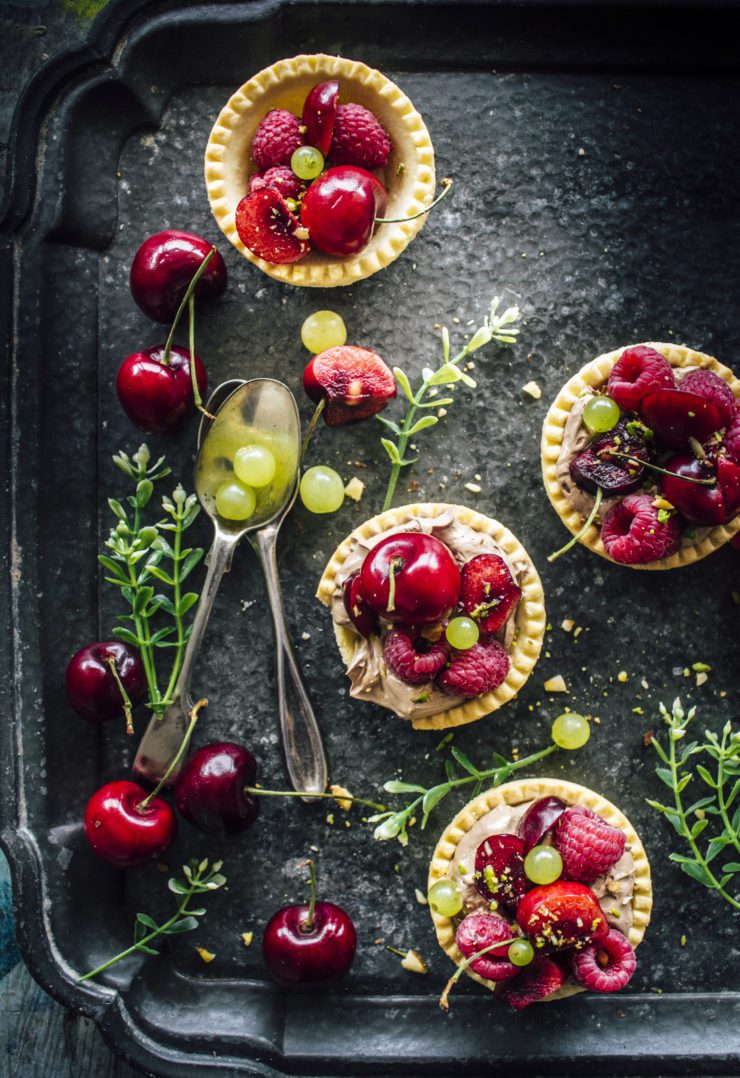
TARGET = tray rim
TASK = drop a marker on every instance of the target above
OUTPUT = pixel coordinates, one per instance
(106, 1006)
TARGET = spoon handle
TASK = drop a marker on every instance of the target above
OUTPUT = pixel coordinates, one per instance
(304, 751)
(164, 733)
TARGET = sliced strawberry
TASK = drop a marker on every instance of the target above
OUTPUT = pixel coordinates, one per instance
(362, 617)
(561, 915)
(480, 930)
(536, 981)
(319, 114)
(675, 415)
(499, 869)
(355, 382)
(489, 592)
(268, 229)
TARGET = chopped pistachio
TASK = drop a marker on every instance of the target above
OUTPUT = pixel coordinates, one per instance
(700, 668)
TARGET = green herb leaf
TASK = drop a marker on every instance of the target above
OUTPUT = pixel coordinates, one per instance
(403, 381)
(395, 786)
(464, 761)
(391, 449)
(185, 924)
(422, 424)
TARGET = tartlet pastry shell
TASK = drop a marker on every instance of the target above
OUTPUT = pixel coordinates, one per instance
(513, 793)
(228, 162)
(530, 613)
(594, 375)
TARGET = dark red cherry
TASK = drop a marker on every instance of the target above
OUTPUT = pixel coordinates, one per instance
(675, 415)
(164, 266)
(156, 395)
(125, 831)
(340, 207)
(499, 869)
(210, 790)
(704, 505)
(411, 578)
(319, 114)
(362, 617)
(309, 944)
(599, 466)
(91, 687)
(540, 817)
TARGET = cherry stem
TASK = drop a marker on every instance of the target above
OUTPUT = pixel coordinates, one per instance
(193, 376)
(256, 791)
(662, 471)
(395, 566)
(127, 706)
(396, 950)
(312, 426)
(307, 925)
(587, 524)
(143, 805)
(184, 302)
(443, 999)
(446, 186)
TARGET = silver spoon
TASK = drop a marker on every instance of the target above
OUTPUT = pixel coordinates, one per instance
(261, 410)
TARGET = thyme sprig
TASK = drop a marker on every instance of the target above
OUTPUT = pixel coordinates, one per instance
(199, 878)
(722, 803)
(135, 563)
(394, 824)
(498, 327)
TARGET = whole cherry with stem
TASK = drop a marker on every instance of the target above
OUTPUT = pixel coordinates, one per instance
(127, 826)
(164, 265)
(106, 679)
(309, 944)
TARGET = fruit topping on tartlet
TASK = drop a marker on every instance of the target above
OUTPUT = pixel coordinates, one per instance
(644, 442)
(437, 611)
(545, 888)
(320, 170)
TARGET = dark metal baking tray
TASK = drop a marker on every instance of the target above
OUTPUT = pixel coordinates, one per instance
(596, 153)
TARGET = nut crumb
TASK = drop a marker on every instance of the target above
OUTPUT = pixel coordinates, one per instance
(555, 684)
(414, 963)
(567, 625)
(342, 797)
(247, 938)
(207, 956)
(421, 898)
(474, 488)
(354, 489)
(622, 676)
(533, 390)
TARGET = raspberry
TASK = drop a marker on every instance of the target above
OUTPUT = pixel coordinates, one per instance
(488, 593)
(731, 439)
(276, 138)
(606, 966)
(536, 981)
(412, 658)
(562, 915)
(358, 139)
(638, 371)
(282, 178)
(632, 534)
(268, 229)
(709, 385)
(588, 845)
(480, 669)
(499, 869)
(479, 930)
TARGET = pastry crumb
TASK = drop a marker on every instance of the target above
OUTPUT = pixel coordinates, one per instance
(207, 956)
(622, 676)
(555, 684)
(342, 796)
(567, 625)
(247, 938)
(474, 488)
(532, 390)
(354, 489)
(421, 898)
(701, 678)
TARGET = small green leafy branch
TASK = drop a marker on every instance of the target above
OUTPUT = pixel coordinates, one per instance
(135, 563)
(395, 824)
(722, 803)
(498, 327)
(199, 878)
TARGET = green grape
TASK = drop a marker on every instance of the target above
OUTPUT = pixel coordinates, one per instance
(307, 162)
(444, 898)
(601, 414)
(462, 633)
(254, 465)
(571, 731)
(321, 489)
(521, 952)
(234, 501)
(322, 330)
(543, 864)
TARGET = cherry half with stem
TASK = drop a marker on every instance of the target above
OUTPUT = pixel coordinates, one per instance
(127, 826)
(310, 943)
(158, 386)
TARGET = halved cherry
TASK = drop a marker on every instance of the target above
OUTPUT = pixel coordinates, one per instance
(499, 869)
(540, 817)
(560, 915)
(362, 617)
(488, 591)
(319, 114)
(611, 461)
(269, 230)
(675, 415)
(355, 382)
(702, 505)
